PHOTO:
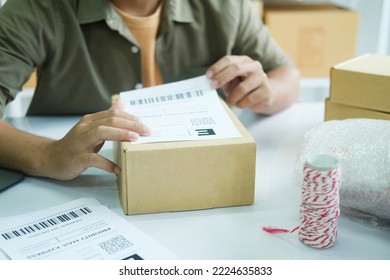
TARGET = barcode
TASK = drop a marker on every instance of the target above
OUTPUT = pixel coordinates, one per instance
(167, 98)
(44, 224)
(115, 244)
(202, 121)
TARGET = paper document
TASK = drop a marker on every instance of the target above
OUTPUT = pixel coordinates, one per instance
(185, 110)
(78, 230)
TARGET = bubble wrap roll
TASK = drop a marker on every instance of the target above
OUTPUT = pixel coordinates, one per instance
(362, 147)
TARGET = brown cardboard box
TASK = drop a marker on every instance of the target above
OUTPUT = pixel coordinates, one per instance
(335, 111)
(316, 37)
(187, 175)
(362, 82)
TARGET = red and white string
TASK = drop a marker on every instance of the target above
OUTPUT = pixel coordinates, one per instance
(319, 209)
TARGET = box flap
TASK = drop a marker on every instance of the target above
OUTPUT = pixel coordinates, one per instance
(368, 63)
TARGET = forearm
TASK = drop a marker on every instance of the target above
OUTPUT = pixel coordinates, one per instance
(24, 151)
(68, 157)
(285, 84)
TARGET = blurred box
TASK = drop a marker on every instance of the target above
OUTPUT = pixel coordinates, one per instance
(362, 82)
(360, 88)
(187, 175)
(316, 37)
(335, 111)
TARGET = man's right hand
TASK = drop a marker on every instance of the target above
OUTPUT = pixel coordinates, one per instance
(68, 157)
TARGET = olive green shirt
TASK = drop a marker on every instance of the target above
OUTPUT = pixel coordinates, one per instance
(84, 53)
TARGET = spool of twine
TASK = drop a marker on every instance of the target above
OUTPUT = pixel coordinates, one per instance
(320, 208)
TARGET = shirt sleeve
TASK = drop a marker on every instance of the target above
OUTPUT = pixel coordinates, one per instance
(255, 40)
(26, 38)
(3, 101)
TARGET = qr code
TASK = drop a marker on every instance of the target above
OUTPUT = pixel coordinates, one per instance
(115, 244)
(202, 121)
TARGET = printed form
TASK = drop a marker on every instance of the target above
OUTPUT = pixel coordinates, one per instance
(78, 230)
(180, 111)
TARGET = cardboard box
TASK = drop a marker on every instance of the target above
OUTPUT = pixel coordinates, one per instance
(316, 37)
(187, 175)
(362, 82)
(335, 111)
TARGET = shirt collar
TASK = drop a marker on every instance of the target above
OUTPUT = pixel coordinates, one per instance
(116, 22)
(94, 10)
(180, 10)
(175, 11)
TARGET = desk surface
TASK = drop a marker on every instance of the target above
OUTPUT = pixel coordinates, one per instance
(223, 233)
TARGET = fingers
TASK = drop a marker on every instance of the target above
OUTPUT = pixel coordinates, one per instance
(243, 81)
(115, 117)
(78, 149)
(242, 91)
(98, 161)
(106, 133)
(229, 68)
(114, 111)
(118, 105)
(119, 123)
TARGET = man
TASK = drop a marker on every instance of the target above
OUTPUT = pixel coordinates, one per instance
(87, 50)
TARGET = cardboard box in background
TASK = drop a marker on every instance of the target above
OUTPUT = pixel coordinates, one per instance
(362, 82)
(316, 37)
(335, 111)
(187, 175)
(360, 88)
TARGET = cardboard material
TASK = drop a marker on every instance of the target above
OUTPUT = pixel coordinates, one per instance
(187, 175)
(335, 111)
(362, 82)
(316, 37)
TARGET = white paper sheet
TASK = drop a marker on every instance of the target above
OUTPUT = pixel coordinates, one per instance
(78, 230)
(180, 111)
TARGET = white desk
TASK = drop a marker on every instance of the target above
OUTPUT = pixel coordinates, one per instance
(224, 233)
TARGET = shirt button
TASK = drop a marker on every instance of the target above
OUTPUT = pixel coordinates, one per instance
(138, 86)
(134, 49)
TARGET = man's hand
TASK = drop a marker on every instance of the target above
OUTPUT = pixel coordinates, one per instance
(246, 85)
(78, 149)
